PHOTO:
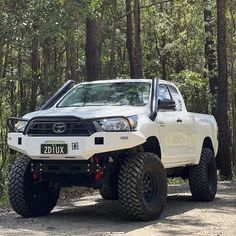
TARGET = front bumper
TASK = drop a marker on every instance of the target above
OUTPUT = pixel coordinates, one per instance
(86, 147)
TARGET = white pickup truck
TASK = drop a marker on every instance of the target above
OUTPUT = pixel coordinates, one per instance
(123, 137)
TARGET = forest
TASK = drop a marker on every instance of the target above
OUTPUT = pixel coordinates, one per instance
(44, 43)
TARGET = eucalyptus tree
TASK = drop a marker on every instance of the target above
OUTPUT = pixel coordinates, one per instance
(232, 62)
(224, 158)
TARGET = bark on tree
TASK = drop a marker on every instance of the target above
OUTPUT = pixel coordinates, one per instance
(133, 38)
(46, 64)
(93, 48)
(70, 43)
(163, 59)
(6, 61)
(22, 88)
(137, 40)
(35, 67)
(113, 39)
(1, 56)
(223, 157)
(232, 50)
(210, 54)
(71, 57)
(233, 117)
(129, 39)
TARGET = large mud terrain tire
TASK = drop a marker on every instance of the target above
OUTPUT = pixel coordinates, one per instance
(108, 192)
(28, 197)
(142, 186)
(203, 177)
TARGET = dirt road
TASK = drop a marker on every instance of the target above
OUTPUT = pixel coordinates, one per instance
(90, 216)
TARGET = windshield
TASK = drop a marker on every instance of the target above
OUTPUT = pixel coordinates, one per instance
(108, 94)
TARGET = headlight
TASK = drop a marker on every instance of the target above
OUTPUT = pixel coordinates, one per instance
(113, 124)
(20, 126)
(117, 124)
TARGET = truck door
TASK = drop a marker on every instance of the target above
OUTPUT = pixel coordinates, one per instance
(177, 130)
(184, 137)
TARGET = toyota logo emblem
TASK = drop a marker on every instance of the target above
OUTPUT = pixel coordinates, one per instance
(59, 128)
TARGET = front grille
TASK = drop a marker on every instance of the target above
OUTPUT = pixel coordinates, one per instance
(65, 127)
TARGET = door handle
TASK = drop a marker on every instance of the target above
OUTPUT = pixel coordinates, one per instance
(179, 120)
(161, 123)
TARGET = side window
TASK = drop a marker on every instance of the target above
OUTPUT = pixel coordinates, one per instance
(164, 93)
(176, 97)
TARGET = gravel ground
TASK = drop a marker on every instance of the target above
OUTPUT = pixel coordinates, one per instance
(90, 216)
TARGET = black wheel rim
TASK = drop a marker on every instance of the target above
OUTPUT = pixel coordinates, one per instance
(150, 187)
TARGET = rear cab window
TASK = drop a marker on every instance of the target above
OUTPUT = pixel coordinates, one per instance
(176, 97)
(164, 92)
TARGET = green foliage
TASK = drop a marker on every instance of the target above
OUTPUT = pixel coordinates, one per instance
(4, 199)
(173, 41)
(176, 180)
(195, 90)
(173, 33)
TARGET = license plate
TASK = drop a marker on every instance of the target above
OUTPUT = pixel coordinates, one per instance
(54, 149)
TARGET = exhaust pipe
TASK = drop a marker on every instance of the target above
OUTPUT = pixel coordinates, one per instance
(154, 99)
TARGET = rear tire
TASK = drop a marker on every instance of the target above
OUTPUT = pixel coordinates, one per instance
(142, 186)
(203, 177)
(30, 198)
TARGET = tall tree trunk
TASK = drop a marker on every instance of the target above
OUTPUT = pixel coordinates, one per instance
(129, 39)
(71, 57)
(35, 66)
(70, 44)
(233, 113)
(93, 48)
(55, 60)
(21, 91)
(113, 41)
(233, 79)
(5, 63)
(12, 90)
(1, 56)
(223, 158)
(46, 64)
(67, 49)
(163, 58)
(137, 40)
(210, 54)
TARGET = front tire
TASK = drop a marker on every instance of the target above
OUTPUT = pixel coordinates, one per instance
(142, 186)
(203, 177)
(30, 198)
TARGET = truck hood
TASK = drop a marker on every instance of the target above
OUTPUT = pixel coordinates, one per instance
(89, 112)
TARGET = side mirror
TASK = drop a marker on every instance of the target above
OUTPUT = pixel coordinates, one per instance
(166, 104)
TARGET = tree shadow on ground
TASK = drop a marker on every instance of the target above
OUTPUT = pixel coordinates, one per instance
(95, 216)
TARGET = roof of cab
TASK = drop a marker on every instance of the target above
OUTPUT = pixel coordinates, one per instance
(125, 80)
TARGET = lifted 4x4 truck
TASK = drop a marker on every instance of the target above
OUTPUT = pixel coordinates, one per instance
(123, 137)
